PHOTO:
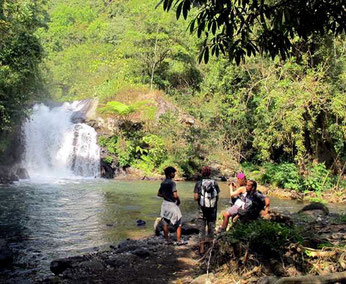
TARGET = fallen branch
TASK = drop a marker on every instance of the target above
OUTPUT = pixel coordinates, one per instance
(330, 278)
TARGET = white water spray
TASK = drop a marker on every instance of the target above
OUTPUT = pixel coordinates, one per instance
(55, 147)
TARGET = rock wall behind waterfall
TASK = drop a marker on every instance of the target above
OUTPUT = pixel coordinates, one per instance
(10, 159)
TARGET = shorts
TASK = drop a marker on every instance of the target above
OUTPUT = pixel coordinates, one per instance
(206, 223)
(168, 222)
(232, 211)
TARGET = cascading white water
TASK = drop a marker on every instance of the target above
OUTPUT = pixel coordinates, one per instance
(55, 147)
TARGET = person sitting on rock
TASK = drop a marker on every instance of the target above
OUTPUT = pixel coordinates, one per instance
(237, 198)
(206, 193)
(170, 211)
(256, 203)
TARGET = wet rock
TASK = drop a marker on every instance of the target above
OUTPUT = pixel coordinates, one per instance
(6, 255)
(87, 110)
(141, 252)
(188, 228)
(315, 208)
(22, 173)
(93, 265)
(117, 261)
(60, 265)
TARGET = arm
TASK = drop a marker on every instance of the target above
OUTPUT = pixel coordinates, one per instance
(266, 204)
(195, 196)
(159, 193)
(232, 186)
(238, 192)
(175, 195)
(195, 192)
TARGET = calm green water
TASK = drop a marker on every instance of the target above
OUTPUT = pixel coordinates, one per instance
(45, 221)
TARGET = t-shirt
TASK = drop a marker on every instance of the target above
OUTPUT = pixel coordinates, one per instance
(167, 188)
(256, 199)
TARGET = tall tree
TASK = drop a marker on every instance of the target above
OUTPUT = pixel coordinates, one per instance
(20, 55)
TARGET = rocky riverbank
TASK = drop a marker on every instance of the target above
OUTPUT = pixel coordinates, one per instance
(150, 260)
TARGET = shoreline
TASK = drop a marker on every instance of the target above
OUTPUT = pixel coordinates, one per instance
(152, 260)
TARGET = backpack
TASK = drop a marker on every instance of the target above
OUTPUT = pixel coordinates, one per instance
(253, 209)
(208, 194)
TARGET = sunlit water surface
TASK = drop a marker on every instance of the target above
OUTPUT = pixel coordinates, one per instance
(45, 221)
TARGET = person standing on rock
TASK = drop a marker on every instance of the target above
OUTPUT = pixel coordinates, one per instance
(206, 193)
(170, 211)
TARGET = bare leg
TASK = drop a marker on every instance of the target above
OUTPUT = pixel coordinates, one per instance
(225, 220)
(165, 231)
(178, 233)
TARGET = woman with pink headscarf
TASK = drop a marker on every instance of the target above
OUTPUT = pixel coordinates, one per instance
(238, 191)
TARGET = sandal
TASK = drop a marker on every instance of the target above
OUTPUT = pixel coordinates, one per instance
(180, 243)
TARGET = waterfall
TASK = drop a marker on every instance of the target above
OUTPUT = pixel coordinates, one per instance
(56, 147)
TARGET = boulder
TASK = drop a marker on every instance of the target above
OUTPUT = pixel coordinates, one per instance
(141, 252)
(58, 266)
(188, 228)
(314, 209)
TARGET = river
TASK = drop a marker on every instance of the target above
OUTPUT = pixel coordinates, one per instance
(45, 221)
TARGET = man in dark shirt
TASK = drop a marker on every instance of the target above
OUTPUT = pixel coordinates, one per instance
(170, 212)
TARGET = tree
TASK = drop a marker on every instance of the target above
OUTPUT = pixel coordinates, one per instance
(20, 55)
(247, 27)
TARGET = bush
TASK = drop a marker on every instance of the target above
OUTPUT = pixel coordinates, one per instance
(265, 237)
(318, 178)
(285, 175)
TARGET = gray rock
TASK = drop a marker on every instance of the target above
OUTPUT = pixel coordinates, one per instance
(141, 252)
(22, 173)
(315, 206)
(58, 266)
(117, 261)
(94, 265)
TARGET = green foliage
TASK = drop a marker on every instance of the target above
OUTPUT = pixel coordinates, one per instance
(282, 115)
(265, 237)
(125, 150)
(20, 56)
(244, 28)
(108, 159)
(98, 49)
(152, 153)
(285, 175)
(318, 178)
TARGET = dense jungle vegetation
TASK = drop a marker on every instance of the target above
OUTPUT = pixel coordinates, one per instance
(283, 120)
